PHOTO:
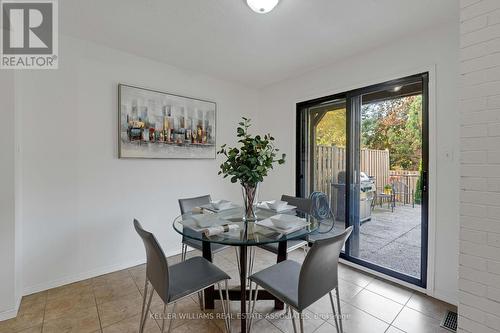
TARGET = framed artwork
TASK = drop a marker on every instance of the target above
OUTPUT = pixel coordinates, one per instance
(154, 124)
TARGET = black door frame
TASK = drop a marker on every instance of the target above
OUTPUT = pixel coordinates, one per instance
(301, 160)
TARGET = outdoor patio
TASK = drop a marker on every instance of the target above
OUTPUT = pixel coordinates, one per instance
(392, 239)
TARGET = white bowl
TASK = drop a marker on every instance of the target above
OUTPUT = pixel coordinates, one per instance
(221, 204)
(283, 221)
(277, 205)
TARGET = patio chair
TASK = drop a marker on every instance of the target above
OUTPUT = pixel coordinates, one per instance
(402, 193)
(379, 198)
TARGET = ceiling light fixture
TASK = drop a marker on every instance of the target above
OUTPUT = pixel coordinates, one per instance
(262, 6)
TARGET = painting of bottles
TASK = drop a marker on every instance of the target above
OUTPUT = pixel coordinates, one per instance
(154, 124)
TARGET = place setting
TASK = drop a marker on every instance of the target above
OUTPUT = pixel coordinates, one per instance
(212, 218)
(277, 206)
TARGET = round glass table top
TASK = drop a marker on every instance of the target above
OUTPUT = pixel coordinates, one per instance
(228, 227)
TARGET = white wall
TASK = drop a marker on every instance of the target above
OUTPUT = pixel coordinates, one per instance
(479, 284)
(436, 48)
(8, 297)
(79, 199)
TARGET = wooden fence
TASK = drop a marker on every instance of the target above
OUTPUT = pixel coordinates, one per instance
(331, 160)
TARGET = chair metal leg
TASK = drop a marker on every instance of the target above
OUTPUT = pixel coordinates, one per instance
(145, 292)
(301, 320)
(171, 318)
(237, 259)
(201, 294)
(226, 285)
(163, 319)
(251, 252)
(293, 321)
(340, 312)
(141, 329)
(183, 252)
(223, 307)
(250, 291)
(334, 313)
(250, 270)
(249, 263)
(201, 299)
(252, 308)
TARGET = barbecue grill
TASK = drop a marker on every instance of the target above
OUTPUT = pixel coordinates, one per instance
(367, 190)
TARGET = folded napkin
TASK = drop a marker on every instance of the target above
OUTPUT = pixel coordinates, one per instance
(197, 210)
(212, 231)
(201, 210)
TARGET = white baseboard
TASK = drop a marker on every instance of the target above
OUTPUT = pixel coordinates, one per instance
(79, 277)
(87, 275)
(12, 313)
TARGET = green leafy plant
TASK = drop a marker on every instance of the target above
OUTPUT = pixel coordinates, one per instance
(249, 163)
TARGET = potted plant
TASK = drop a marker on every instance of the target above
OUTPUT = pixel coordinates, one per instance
(249, 163)
(387, 189)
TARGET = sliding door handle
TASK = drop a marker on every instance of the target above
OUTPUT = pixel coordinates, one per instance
(424, 181)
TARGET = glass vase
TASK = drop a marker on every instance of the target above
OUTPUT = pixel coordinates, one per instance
(250, 198)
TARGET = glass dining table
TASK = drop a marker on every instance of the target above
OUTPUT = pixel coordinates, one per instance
(243, 234)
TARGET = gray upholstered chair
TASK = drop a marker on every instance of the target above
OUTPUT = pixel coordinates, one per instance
(186, 206)
(299, 286)
(303, 205)
(173, 283)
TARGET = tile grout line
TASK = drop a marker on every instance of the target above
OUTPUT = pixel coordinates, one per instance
(404, 306)
(361, 288)
(139, 290)
(96, 306)
(44, 310)
(364, 288)
(390, 299)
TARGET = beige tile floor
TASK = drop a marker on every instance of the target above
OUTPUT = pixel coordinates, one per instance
(112, 304)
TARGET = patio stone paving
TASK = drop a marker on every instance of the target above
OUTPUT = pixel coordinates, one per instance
(392, 239)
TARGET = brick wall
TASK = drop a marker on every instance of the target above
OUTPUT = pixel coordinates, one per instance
(479, 271)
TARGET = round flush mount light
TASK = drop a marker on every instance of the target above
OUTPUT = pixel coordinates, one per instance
(262, 6)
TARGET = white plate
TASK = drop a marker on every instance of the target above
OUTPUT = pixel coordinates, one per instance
(294, 223)
(264, 205)
(207, 220)
(221, 204)
(213, 209)
(284, 221)
(277, 204)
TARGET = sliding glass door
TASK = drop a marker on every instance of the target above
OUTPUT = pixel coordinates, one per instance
(367, 150)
